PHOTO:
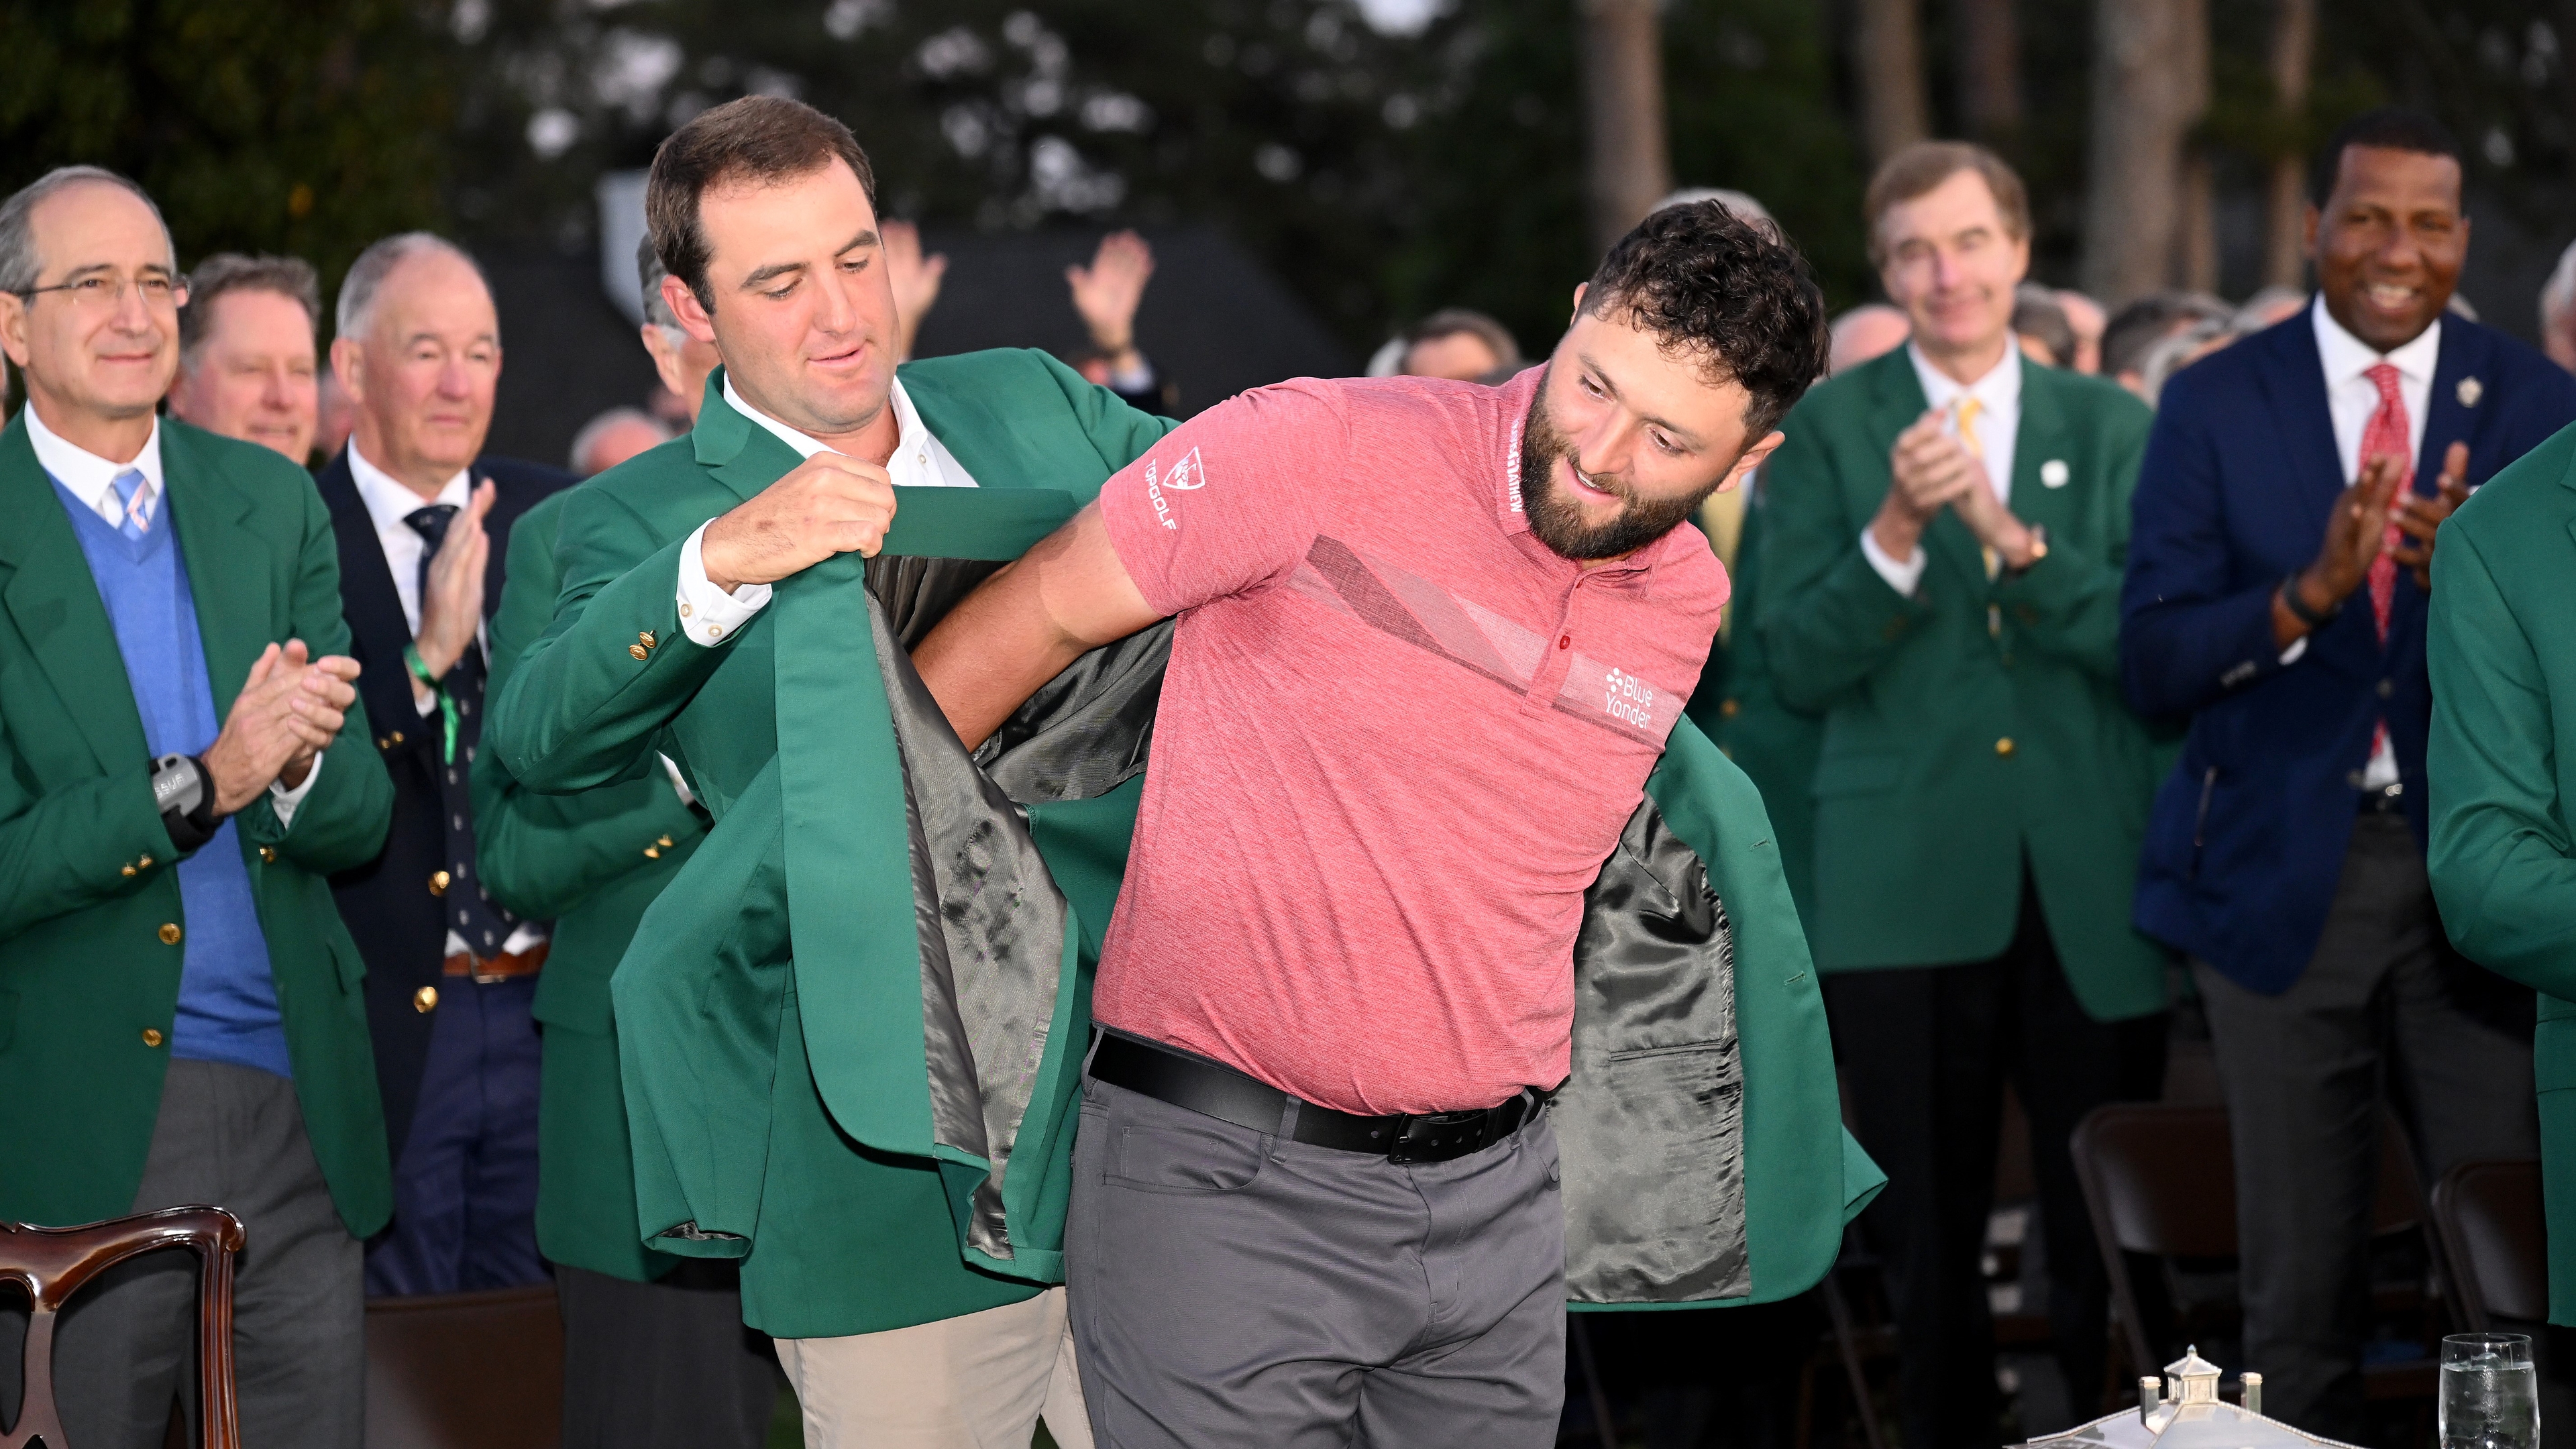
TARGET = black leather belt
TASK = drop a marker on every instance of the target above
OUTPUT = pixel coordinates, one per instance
(1222, 1092)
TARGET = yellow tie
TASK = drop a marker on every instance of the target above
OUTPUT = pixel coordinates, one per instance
(1969, 407)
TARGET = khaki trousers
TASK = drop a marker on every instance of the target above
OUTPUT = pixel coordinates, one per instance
(980, 1381)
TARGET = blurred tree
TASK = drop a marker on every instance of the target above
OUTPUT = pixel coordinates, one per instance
(2148, 207)
(1888, 59)
(1989, 55)
(310, 127)
(1628, 160)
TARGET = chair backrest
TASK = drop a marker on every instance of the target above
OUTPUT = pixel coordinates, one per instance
(51, 1264)
(465, 1370)
(2495, 1236)
(2161, 1180)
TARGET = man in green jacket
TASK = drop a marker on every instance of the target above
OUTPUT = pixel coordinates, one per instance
(1941, 581)
(655, 1350)
(181, 1016)
(663, 641)
(2501, 769)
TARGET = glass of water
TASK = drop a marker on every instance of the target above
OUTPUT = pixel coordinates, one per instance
(2490, 1392)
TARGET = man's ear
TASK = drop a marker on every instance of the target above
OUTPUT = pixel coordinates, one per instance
(684, 305)
(1579, 289)
(2308, 219)
(13, 328)
(348, 362)
(1753, 458)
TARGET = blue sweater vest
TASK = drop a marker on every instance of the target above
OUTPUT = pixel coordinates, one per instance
(227, 999)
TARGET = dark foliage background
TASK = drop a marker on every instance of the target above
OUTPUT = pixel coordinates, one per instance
(1381, 169)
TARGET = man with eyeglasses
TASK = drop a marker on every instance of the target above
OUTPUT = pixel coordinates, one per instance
(180, 1019)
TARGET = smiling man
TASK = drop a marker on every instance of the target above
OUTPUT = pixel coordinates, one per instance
(450, 973)
(2287, 516)
(1431, 639)
(1942, 555)
(246, 360)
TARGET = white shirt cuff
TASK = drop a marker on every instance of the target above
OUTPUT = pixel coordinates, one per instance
(283, 801)
(1903, 577)
(709, 615)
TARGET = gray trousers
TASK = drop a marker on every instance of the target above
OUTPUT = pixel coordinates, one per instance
(663, 1363)
(1234, 1287)
(232, 1137)
(2372, 1018)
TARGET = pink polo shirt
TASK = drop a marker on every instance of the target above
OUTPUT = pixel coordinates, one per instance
(1398, 739)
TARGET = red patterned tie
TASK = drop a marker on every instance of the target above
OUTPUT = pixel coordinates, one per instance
(2385, 435)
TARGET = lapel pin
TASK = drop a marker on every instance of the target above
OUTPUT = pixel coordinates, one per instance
(2052, 474)
(2470, 391)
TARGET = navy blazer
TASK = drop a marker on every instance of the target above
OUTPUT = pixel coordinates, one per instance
(399, 926)
(2248, 835)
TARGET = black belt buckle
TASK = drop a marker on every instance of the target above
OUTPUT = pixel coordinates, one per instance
(1440, 1136)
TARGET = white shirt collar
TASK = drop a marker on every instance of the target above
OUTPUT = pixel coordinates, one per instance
(389, 503)
(910, 434)
(91, 478)
(2347, 357)
(2000, 388)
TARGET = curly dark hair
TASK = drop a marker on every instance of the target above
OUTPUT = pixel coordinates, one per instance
(1707, 283)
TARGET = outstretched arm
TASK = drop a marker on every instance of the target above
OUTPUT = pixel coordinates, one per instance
(1068, 595)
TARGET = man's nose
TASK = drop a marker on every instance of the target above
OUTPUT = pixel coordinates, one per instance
(838, 309)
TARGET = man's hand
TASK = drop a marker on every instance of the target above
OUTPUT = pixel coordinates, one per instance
(2420, 518)
(913, 277)
(1928, 470)
(452, 611)
(828, 504)
(289, 710)
(1108, 292)
(2354, 531)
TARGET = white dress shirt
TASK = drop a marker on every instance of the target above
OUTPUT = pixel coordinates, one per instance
(2351, 397)
(1998, 427)
(388, 504)
(92, 479)
(709, 615)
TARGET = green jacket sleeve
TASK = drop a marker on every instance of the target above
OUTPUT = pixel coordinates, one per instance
(541, 855)
(1119, 432)
(2068, 604)
(579, 709)
(63, 850)
(2503, 869)
(342, 822)
(1828, 620)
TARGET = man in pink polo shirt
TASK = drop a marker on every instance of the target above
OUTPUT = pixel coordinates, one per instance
(1431, 637)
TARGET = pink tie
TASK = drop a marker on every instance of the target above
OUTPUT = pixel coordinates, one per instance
(2385, 434)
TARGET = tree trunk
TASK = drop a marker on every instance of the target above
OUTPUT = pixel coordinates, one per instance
(1889, 46)
(2150, 87)
(2294, 52)
(1629, 167)
(1990, 70)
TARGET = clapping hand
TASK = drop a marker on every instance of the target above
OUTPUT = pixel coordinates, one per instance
(289, 710)
(452, 611)
(914, 278)
(1108, 292)
(2419, 517)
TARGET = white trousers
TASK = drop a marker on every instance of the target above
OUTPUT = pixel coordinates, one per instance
(981, 1381)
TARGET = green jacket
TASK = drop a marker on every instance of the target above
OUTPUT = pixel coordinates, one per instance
(862, 1240)
(590, 863)
(88, 988)
(1774, 745)
(1976, 725)
(2501, 767)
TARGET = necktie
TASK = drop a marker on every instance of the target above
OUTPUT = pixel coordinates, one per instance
(2383, 436)
(471, 914)
(129, 486)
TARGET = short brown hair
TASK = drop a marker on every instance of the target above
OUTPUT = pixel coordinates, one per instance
(1926, 164)
(761, 140)
(1457, 321)
(289, 277)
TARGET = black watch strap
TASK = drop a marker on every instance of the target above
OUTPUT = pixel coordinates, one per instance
(186, 795)
(2298, 607)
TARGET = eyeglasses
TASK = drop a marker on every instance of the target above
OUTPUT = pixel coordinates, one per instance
(104, 291)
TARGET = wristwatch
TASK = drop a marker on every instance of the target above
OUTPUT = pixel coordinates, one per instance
(185, 794)
(2298, 607)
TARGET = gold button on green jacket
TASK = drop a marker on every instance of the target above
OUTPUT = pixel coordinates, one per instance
(1977, 724)
(2501, 770)
(88, 896)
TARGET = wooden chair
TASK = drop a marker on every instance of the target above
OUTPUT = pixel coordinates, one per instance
(2496, 1239)
(2161, 1181)
(52, 1264)
(465, 1370)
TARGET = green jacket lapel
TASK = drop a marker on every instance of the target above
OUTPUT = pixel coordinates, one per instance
(2044, 438)
(53, 600)
(738, 452)
(206, 513)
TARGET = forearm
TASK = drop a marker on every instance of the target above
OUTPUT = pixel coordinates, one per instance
(995, 649)
(2179, 654)
(2068, 606)
(75, 847)
(579, 706)
(342, 823)
(542, 855)
(1830, 635)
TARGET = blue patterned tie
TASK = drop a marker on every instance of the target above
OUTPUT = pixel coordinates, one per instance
(128, 484)
(472, 914)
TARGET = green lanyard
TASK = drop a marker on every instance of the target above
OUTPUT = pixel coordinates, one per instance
(446, 702)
